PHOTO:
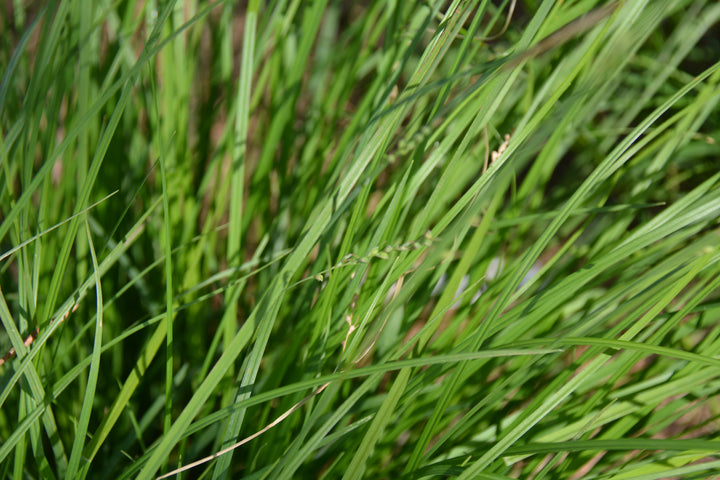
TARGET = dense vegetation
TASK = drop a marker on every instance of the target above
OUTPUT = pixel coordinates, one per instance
(361, 239)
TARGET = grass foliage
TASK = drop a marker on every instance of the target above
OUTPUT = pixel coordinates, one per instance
(360, 239)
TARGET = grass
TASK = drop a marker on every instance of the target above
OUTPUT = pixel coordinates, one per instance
(360, 240)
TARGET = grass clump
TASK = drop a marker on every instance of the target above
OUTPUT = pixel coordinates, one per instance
(325, 239)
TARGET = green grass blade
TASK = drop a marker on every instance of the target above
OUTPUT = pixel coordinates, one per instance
(84, 420)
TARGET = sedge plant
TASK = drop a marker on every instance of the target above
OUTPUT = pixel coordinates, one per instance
(424, 239)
